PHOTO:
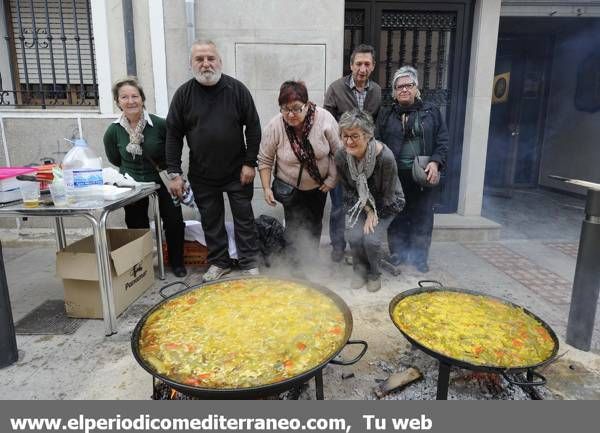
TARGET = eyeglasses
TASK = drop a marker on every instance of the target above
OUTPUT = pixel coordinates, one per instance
(295, 110)
(408, 86)
(353, 137)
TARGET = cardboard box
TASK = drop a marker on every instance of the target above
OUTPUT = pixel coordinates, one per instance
(131, 267)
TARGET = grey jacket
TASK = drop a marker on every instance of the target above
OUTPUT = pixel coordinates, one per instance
(339, 98)
(384, 183)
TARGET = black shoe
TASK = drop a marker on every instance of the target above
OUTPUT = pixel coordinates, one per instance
(422, 267)
(337, 255)
(396, 259)
(179, 271)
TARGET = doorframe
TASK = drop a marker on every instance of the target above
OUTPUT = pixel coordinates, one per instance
(459, 77)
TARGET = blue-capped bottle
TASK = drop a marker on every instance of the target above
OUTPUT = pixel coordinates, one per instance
(82, 171)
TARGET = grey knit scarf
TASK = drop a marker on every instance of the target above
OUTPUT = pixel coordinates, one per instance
(360, 171)
(136, 136)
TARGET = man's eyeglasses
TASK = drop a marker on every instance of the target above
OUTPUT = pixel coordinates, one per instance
(295, 110)
(408, 86)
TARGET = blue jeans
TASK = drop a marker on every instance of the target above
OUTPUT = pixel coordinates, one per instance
(337, 219)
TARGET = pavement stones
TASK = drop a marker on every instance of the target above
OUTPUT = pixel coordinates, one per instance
(532, 265)
(88, 365)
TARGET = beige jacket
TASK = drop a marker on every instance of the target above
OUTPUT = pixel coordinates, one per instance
(275, 146)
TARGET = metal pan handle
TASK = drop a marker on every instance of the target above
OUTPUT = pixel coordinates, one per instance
(161, 290)
(530, 382)
(358, 357)
(422, 283)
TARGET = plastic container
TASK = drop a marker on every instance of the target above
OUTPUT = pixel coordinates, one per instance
(82, 172)
(188, 197)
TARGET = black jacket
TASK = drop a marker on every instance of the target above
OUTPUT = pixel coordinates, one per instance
(435, 134)
(212, 119)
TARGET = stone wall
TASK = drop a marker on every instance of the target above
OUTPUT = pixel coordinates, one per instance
(263, 43)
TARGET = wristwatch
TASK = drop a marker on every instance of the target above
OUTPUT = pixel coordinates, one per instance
(172, 176)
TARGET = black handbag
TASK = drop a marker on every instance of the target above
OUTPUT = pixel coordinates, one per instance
(283, 192)
(418, 170)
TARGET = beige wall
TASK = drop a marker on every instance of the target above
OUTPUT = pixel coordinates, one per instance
(263, 43)
(143, 52)
(116, 40)
(177, 50)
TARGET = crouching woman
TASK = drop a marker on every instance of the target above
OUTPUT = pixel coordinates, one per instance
(372, 195)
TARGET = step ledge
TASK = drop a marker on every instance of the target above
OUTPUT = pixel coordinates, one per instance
(446, 227)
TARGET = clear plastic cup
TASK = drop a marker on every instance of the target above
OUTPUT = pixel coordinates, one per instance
(30, 192)
(58, 191)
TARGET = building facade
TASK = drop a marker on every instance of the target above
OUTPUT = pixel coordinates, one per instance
(58, 59)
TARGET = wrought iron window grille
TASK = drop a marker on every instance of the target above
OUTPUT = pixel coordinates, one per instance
(51, 54)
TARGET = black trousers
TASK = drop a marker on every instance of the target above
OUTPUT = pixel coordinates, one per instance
(409, 234)
(136, 217)
(303, 223)
(212, 212)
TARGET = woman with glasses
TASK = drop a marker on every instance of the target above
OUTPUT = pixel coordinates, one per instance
(297, 148)
(372, 195)
(411, 127)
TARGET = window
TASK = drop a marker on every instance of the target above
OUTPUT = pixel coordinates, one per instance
(51, 54)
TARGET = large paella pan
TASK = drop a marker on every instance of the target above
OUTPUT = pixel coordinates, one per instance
(243, 338)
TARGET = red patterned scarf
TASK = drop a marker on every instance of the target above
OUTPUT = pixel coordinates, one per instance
(302, 147)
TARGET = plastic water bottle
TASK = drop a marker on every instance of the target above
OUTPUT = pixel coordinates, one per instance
(82, 172)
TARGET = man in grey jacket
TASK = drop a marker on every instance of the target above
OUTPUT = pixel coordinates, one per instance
(344, 94)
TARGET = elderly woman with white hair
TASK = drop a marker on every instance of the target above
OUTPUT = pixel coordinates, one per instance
(412, 127)
(372, 195)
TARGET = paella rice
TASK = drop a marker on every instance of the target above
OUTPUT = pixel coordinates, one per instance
(476, 329)
(242, 333)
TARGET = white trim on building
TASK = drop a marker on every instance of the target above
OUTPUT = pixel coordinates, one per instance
(100, 23)
(486, 22)
(159, 56)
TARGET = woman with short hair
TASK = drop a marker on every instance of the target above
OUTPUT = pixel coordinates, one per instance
(412, 127)
(372, 195)
(297, 148)
(135, 142)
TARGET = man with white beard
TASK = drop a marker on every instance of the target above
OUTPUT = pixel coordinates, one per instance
(211, 111)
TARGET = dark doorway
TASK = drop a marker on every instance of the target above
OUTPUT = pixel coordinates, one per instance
(432, 36)
(518, 112)
(546, 120)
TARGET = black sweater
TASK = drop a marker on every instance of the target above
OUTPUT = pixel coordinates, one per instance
(212, 119)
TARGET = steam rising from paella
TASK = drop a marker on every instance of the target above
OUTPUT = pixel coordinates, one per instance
(242, 333)
(474, 329)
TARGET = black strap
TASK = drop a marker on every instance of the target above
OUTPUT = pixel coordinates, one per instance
(417, 120)
(299, 173)
(151, 161)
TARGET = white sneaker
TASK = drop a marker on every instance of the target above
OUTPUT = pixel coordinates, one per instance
(214, 273)
(251, 272)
